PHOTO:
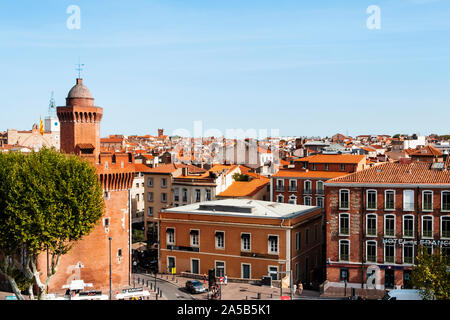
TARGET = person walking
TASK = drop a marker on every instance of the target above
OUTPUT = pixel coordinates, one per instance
(300, 288)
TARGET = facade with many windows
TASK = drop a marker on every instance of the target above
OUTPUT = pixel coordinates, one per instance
(244, 239)
(379, 217)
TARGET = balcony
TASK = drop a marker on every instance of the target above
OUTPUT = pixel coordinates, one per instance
(183, 248)
(293, 189)
(279, 188)
(320, 191)
(307, 191)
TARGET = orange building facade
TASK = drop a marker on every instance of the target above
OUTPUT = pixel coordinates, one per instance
(243, 239)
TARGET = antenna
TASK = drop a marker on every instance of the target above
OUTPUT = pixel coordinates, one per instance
(79, 68)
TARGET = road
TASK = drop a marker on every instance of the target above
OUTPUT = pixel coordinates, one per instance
(169, 290)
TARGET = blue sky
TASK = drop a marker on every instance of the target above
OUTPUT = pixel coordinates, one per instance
(302, 67)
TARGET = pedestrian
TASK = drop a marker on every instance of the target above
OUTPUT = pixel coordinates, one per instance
(295, 289)
(204, 278)
(225, 279)
(300, 288)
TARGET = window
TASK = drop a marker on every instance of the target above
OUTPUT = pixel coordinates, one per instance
(344, 250)
(184, 195)
(220, 239)
(245, 242)
(307, 201)
(389, 200)
(137, 197)
(292, 185)
(163, 197)
(220, 268)
(150, 196)
(371, 199)
(280, 185)
(371, 251)
(408, 226)
(342, 167)
(316, 232)
(176, 194)
(445, 227)
(150, 211)
(306, 236)
(408, 253)
(195, 238)
(119, 253)
(280, 198)
(298, 236)
(389, 225)
(208, 195)
(326, 167)
(319, 187)
(307, 187)
(427, 227)
(445, 201)
(319, 202)
(314, 166)
(292, 199)
(170, 233)
(197, 195)
(273, 244)
(427, 201)
(371, 225)
(408, 200)
(150, 182)
(344, 224)
(344, 197)
(106, 223)
(273, 272)
(389, 253)
(163, 182)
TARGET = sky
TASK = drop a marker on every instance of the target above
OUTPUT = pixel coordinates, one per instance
(301, 68)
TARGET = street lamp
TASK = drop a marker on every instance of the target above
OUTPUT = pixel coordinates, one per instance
(110, 279)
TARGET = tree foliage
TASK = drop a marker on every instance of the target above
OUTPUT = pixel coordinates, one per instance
(240, 177)
(47, 202)
(431, 274)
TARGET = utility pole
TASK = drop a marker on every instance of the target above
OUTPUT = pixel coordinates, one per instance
(110, 274)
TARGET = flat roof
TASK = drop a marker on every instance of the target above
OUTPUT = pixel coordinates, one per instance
(244, 208)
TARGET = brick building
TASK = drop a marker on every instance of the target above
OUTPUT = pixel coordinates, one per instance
(304, 184)
(88, 259)
(377, 218)
(244, 239)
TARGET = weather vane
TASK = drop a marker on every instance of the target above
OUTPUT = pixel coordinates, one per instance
(79, 68)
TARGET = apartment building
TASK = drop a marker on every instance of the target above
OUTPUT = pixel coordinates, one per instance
(377, 218)
(243, 239)
(304, 184)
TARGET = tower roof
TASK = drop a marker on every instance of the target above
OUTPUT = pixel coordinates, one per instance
(79, 91)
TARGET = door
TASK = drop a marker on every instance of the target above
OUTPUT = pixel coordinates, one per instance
(246, 271)
(407, 279)
(195, 266)
(389, 279)
(170, 264)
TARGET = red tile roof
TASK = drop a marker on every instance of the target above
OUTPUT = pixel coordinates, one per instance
(398, 173)
(333, 158)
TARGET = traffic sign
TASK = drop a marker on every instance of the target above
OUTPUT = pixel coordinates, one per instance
(221, 279)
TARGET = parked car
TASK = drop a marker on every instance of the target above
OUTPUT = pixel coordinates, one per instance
(403, 294)
(195, 286)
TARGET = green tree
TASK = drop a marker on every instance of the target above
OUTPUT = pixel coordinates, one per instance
(48, 201)
(431, 274)
(240, 177)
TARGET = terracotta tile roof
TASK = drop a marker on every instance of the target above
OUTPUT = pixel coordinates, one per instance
(245, 188)
(333, 158)
(398, 173)
(140, 167)
(427, 151)
(308, 174)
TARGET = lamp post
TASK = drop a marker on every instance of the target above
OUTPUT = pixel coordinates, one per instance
(110, 279)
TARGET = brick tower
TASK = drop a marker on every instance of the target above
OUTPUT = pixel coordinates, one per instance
(80, 123)
(89, 259)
